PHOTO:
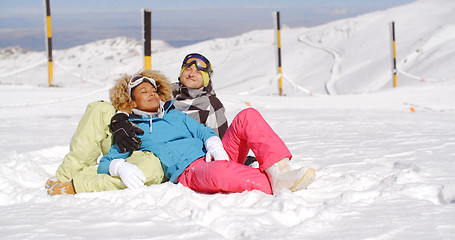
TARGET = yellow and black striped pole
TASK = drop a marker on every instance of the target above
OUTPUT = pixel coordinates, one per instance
(394, 56)
(49, 40)
(147, 17)
(280, 81)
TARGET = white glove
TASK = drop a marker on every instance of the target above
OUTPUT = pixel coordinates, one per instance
(215, 149)
(131, 175)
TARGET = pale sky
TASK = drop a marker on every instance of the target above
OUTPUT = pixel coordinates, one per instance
(177, 22)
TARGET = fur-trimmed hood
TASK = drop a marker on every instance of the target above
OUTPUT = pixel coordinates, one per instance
(122, 101)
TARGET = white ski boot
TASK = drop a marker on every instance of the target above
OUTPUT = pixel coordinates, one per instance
(281, 176)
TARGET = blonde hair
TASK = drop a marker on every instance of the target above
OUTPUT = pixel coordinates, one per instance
(122, 101)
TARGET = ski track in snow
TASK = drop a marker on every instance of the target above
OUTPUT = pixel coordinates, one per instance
(330, 85)
(335, 72)
(23, 69)
(53, 101)
(82, 78)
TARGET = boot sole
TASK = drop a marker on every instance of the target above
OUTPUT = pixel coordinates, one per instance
(50, 182)
(304, 181)
(60, 188)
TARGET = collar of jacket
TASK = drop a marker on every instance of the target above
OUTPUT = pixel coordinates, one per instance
(182, 92)
(139, 114)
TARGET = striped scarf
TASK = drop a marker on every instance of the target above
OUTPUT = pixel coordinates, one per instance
(202, 105)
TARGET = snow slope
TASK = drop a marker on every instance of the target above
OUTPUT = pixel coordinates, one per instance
(384, 156)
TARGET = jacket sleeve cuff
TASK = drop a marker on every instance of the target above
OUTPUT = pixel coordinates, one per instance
(103, 167)
(213, 143)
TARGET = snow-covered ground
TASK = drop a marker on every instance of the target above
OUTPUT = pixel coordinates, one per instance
(385, 157)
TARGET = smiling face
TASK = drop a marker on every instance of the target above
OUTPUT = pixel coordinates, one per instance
(146, 98)
(191, 77)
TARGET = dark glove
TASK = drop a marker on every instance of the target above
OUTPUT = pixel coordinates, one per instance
(125, 133)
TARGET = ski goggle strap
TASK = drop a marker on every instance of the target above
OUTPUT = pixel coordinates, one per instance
(199, 61)
(136, 80)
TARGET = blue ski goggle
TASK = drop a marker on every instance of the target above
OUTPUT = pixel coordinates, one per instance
(199, 61)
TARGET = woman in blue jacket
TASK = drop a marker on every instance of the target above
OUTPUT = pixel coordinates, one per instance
(193, 155)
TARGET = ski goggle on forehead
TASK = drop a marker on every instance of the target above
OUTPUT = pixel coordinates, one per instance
(199, 61)
(136, 80)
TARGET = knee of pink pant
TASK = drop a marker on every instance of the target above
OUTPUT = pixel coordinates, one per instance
(248, 112)
(249, 120)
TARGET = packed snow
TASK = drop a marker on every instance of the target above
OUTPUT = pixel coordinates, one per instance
(384, 156)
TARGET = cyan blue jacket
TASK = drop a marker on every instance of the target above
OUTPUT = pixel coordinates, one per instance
(176, 138)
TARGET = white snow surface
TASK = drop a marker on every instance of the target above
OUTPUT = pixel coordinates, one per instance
(384, 156)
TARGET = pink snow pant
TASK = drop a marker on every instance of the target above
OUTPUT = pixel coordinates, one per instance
(248, 131)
